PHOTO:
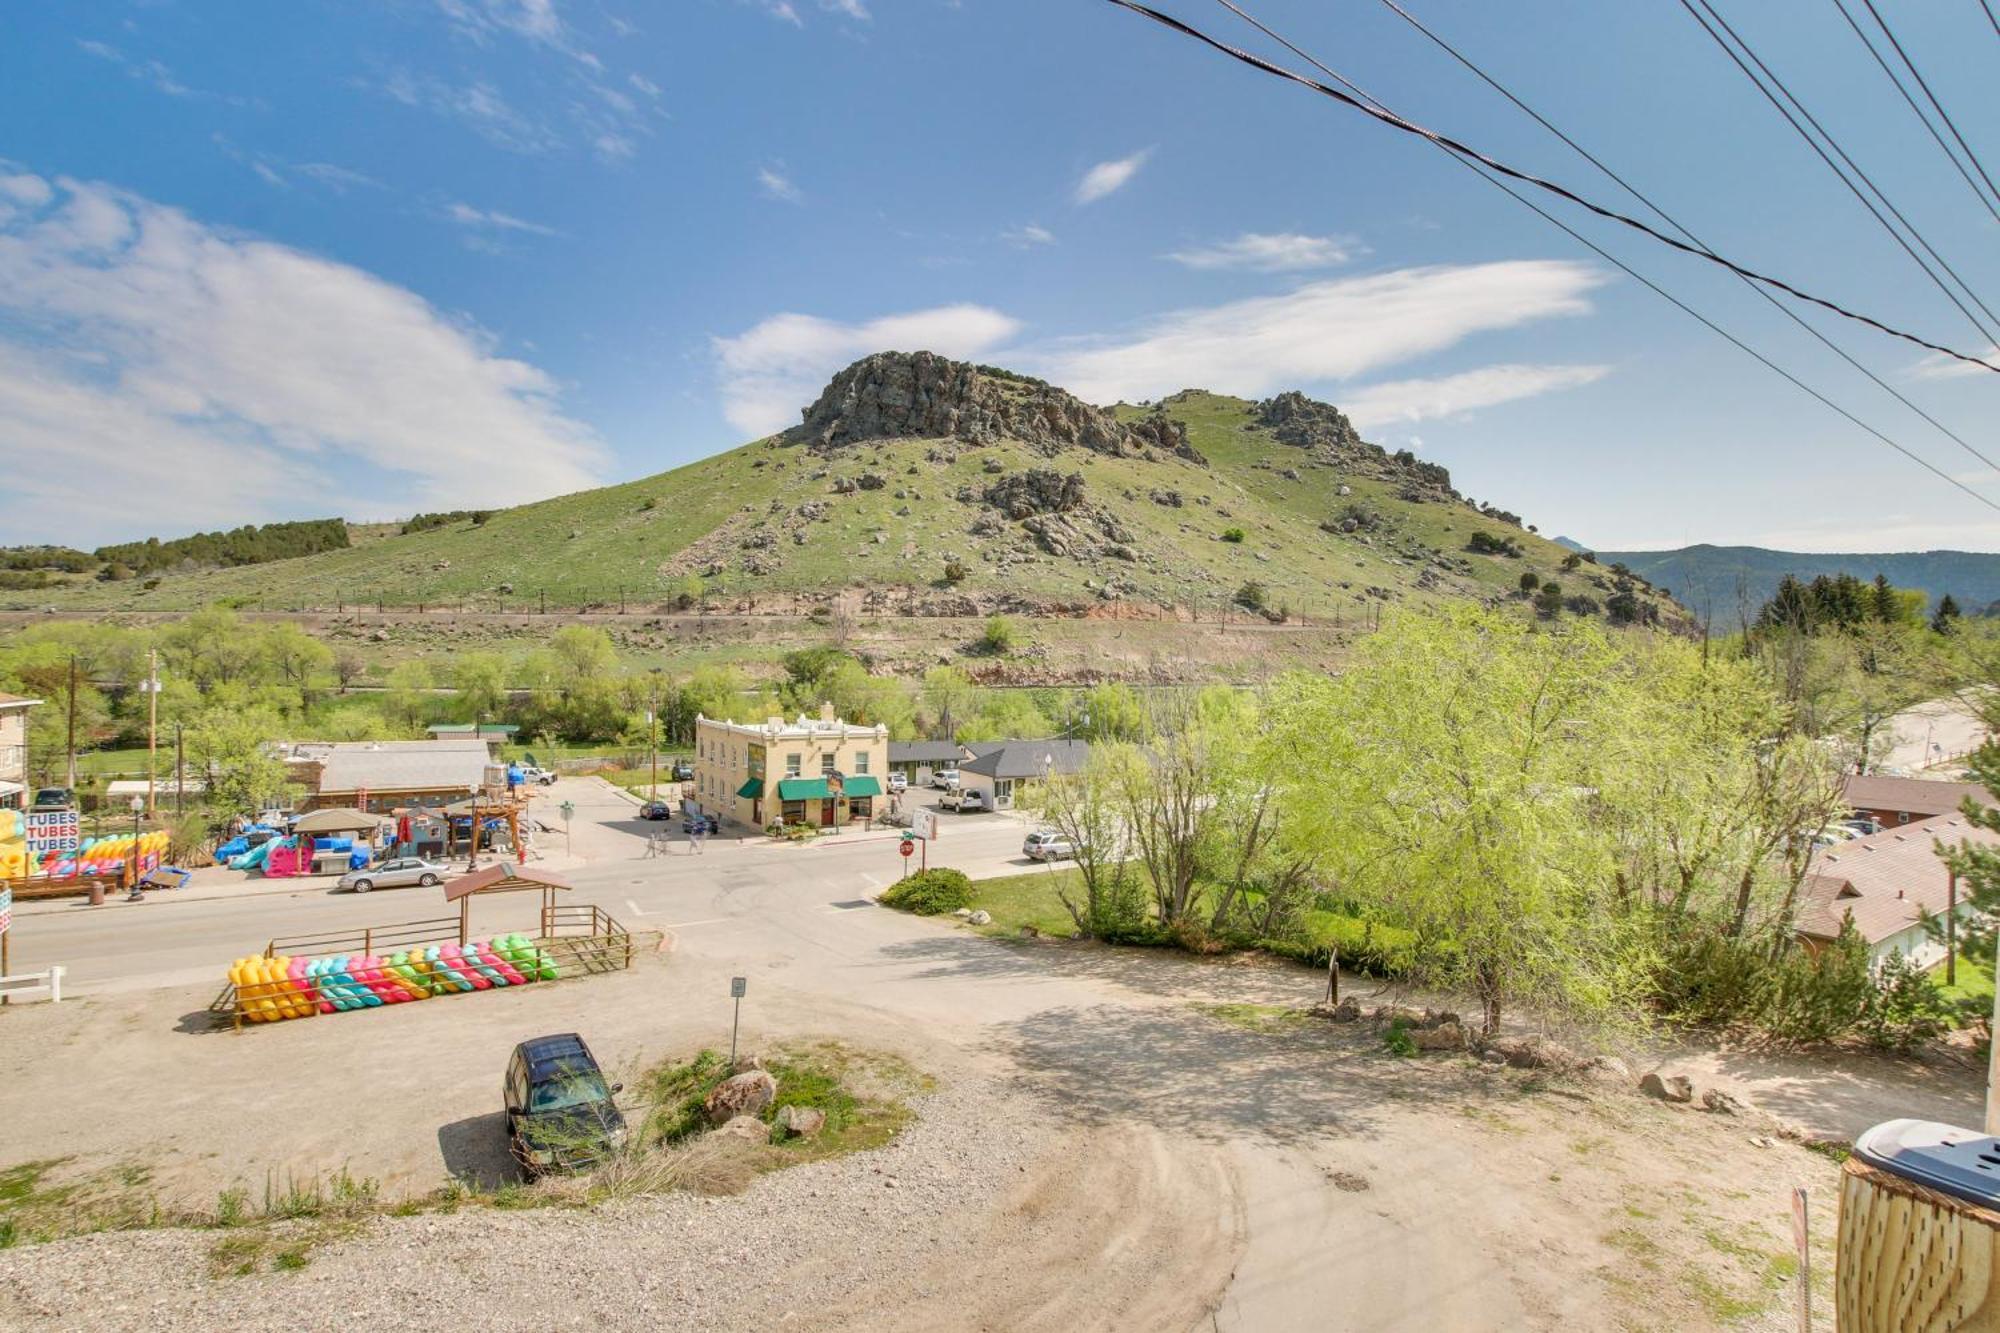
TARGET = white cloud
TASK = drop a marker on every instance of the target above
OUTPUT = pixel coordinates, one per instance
(643, 84)
(1938, 366)
(146, 71)
(479, 106)
(853, 9)
(1029, 235)
(217, 375)
(467, 215)
(775, 184)
(1330, 330)
(1281, 252)
(339, 179)
(1404, 402)
(780, 10)
(1110, 177)
(776, 368)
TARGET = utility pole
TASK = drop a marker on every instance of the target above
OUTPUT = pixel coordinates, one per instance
(71, 783)
(152, 727)
(180, 774)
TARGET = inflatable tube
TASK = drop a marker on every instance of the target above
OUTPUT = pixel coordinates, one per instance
(504, 966)
(467, 968)
(441, 965)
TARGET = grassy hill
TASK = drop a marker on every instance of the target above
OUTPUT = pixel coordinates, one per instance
(1006, 494)
(1725, 578)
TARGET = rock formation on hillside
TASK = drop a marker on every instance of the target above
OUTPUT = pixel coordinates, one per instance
(1324, 431)
(921, 395)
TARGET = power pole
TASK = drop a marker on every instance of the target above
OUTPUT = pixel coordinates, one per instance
(72, 722)
(152, 727)
(180, 774)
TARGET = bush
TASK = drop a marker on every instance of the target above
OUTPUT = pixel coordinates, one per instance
(1485, 543)
(998, 636)
(1819, 997)
(1907, 1008)
(1252, 596)
(1232, 534)
(930, 892)
(1530, 580)
(954, 573)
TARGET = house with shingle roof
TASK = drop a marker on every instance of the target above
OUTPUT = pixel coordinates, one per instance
(1887, 884)
(1893, 802)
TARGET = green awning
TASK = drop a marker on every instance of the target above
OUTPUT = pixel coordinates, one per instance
(754, 789)
(803, 789)
(863, 786)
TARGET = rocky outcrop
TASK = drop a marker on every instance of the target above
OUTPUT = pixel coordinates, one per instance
(1038, 490)
(1324, 431)
(921, 395)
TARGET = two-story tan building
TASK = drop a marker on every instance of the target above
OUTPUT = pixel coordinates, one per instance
(14, 750)
(822, 772)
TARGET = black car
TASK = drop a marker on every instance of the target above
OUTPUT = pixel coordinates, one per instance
(55, 798)
(560, 1112)
(656, 810)
(683, 771)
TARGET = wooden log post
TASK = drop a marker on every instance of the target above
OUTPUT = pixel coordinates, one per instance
(1912, 1260)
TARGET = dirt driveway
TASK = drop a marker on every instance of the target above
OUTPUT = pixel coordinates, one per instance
(1104, 1136)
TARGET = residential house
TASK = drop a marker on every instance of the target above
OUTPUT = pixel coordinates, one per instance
(998, 770)
(1894, 801)
(920, 761)
(14, 794)
(380, 776)
(820, 771)
(1886, 884)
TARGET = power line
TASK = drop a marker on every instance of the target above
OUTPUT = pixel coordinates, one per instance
(1462, 150)
(1984, 330)
(1918, 111)
(1678, 226)
(1479, 170)
(1929, 96)
(1991, 17)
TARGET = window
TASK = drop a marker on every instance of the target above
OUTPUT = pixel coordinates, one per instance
(791, 765)
(825, 765)
(861, 762)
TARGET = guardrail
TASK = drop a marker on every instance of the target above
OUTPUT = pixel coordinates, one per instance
(369, 940)
(30, 984)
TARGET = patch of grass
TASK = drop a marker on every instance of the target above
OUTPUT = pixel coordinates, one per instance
(1397, 1040)
(1266, 1019)
(237, 1255)
(1015, 901)
(291, 1258)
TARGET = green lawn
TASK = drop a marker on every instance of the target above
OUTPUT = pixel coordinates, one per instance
(1975, 983)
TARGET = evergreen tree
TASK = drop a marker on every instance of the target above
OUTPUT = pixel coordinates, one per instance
(1946, 618)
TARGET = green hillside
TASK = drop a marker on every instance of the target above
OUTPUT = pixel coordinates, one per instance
(1724, 578)
(1016, 496)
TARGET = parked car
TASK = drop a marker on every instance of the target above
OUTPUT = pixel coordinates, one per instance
(400, 873)
(945, 779)
(540, 777)
(561, 1114)
(706, 825)
(683, 771)
(55, 798)
(1863, 826)
(1048, 845)
(656, 810)
(963, 801)
(898, 783)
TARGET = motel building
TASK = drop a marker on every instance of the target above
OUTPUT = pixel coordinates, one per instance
(822, 772)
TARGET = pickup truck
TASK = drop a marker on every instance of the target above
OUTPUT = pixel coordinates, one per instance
(962, 800)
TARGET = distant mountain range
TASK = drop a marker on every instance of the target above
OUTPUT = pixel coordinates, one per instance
(1718, 580)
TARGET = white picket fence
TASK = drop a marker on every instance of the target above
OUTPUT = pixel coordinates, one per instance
(31, 984)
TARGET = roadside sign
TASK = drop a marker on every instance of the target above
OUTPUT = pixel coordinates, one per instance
(737, 987)
(568, 808)
(909, 848)
(6, 909)
(924, 824)
(53, 831)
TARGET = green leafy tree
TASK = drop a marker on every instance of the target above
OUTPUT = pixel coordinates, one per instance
(948, 695)
(481, 681)
(230, 748)
(411, 696)
(999, 635)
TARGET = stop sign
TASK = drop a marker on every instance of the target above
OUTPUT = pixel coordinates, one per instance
(909, 847)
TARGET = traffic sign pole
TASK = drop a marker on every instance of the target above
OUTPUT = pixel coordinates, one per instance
(737, 985)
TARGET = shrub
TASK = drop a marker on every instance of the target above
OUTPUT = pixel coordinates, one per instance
(930, 892)
(1572, 562)
(1232, 534)
(1485, 543)
(1549, 599)
(1397, 1040)
(954, 573)
(1252, 596)
(998, 636)
(1907, 1009)
(1819, 997)
(648, 505)
(1530, 580)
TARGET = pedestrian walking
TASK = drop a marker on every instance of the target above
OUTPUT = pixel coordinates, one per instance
(695, 832)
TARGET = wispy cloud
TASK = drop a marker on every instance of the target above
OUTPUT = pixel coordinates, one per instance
(780, 10)
(853, 9)
(479, 106)
(1938, 366)
(1107, 178)
(1028, 235)
(774, 369)
(1276, 252)
(150, 72)
(773, 183)
(213, 372)
(1331, 330)
(334, 177)
(280, 174)
(483, 223)
(1405, 402)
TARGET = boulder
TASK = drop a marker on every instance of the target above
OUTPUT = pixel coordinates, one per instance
(1534, 1053)
(981, 917)
(1677, 1088)
(1444, 1037)
(745, 1094)
(747, 1062)
(1720, 1102)
(746, 1127)
(963, 913)
(1347, 1011)
(801, 1122)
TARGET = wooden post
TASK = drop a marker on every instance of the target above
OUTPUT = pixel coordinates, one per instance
(152, 731)
(1951, 928)
(464, 921)
(1912, 1260)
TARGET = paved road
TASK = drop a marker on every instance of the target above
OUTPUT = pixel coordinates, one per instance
(1938, 734)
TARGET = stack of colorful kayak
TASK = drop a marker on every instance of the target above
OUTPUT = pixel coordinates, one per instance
(269, 990)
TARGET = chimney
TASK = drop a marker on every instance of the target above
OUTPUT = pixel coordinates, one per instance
(826, 710)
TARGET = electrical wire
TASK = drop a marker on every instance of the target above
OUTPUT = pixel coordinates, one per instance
(1479, 169)
(1929, 96)
(1678, 226)
(1462, 150)
(1985, 330)
(1991, 17)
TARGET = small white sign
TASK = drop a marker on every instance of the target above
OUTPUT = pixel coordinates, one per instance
(6, 909)
(53, 831)
(923, 823)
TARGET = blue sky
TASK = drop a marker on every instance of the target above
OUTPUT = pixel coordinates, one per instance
(267, 261)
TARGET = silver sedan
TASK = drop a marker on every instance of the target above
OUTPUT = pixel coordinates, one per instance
(401, 873)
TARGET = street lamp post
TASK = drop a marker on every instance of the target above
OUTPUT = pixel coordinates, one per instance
(472, 830)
